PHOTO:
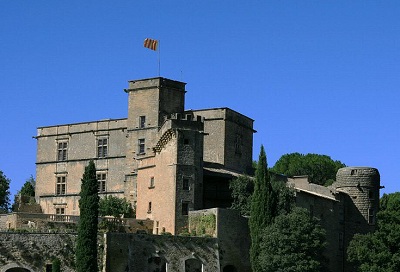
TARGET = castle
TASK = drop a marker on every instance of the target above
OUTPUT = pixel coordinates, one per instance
(164, 159)
(174, 165)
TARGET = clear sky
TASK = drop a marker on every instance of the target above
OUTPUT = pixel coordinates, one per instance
(316, 76)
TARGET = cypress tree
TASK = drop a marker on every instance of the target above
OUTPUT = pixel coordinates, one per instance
(263, 208)
(86, 245)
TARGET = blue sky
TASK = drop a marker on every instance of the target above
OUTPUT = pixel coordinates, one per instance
(316, 76)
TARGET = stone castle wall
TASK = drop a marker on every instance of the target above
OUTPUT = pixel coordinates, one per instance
(136, 252)
(81, 142)
(34, 251)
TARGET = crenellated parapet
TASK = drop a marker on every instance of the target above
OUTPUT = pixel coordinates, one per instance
(174, 122)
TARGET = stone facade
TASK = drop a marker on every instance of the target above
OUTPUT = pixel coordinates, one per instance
(166, 161)
(63, 152)
(173, 165)
(347, 207)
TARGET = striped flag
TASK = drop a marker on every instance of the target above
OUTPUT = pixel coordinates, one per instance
(151, 44)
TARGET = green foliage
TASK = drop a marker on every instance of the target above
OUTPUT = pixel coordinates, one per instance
(115, 206)
(4, 193)
(379, 251)
(86, 245)
(202, 224)
(263, 207)
(321, 169)
(293, 242)
(242, 189)
(285, 196)
(56, 265)
(28, 189)
(25, 195)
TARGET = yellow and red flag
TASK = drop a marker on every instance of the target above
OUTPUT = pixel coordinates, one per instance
(151, 44)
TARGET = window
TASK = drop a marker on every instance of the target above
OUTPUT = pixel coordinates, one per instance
(185, 184)
(371, 216)
(60, 211)
(61, 185)
(371, 194)
(101, 181)
(185, 208)
(186, 141)
(238, 144)
(142, 121)
(149, 208)
(157, 226)
(151, 185)
(141, 146)
(102, 148)
(62, 151)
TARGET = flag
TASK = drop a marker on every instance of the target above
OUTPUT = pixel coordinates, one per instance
(151, 44)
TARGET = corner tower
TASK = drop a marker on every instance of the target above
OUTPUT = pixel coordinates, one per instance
(359, 198)
(362, 185)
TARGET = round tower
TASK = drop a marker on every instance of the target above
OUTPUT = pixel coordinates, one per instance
(361, 185)
(358, 189)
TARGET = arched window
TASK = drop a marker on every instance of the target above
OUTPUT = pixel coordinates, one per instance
(193, 265)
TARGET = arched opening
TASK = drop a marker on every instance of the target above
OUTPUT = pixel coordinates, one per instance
(229, 268)
(157, 264)
(193, 265)
(17, 269)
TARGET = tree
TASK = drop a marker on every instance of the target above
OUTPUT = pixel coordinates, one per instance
(242, 188)
(115, 206)
(28, 189)
(379, 251)
(86, 244)
(321, 169)
(263, 208)
(293, 242)
(25, 195)
(4, 193)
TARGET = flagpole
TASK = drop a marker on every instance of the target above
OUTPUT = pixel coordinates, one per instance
(155, 46)
(159, 62)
